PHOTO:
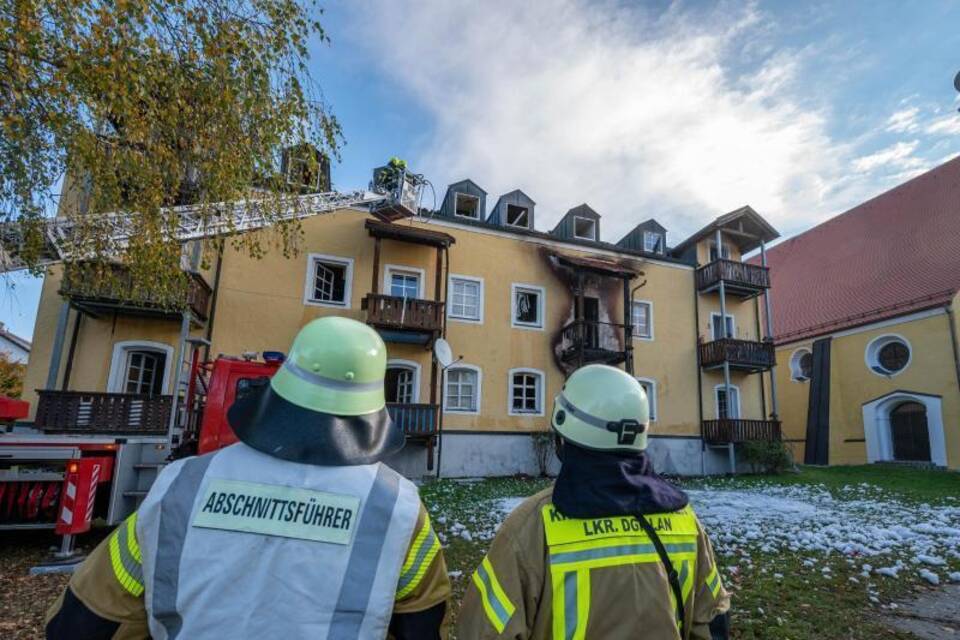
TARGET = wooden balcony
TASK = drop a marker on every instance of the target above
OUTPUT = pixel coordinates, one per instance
(743, 355)
(97, 412)
(736, 430)
(397, 318)
(106, 291)
(587, 342)
(740, 279)
(418, 421)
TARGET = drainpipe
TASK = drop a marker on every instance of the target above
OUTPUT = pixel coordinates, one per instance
(696, 341)
(768, 321)
(58, 337)
(952, 319)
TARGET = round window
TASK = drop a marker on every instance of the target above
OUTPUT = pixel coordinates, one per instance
(888, 355)
(801, 365)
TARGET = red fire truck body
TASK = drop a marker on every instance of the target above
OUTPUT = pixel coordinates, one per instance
(66, 481)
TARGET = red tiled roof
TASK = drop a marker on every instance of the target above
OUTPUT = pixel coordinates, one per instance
(895, 254)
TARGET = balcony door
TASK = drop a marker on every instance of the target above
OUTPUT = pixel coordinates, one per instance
(591, 314)
(400, 384)
(715, 328)
(140, 367)
(728, 408)
(404, 283)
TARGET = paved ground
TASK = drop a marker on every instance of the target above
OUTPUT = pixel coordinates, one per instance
(932, 616)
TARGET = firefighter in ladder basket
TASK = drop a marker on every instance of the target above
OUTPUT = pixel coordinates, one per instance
(297, 531)
(611, 551)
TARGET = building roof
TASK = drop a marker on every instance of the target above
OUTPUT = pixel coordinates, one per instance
(743, 227)
(409, 234)
(895, 254)
(6, 334)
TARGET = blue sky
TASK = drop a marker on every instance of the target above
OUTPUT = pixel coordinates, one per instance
(677, 111)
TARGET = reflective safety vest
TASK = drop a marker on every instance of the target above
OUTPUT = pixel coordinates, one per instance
(578, 546)
(237, 544)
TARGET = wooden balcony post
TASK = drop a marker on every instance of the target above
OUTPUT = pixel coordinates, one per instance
(627, 327)
(375, 285)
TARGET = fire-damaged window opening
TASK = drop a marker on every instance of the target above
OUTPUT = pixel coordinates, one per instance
(642, 319)
(528, 306)
(329, 281)
(724, 251)
(584, 228)
(653, 242)
(526, 392)
(518, 216)
(467, 206)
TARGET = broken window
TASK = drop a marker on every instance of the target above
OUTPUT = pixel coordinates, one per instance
(584, 228)
(518, 216)
(526, 392)
(331, 281)
(466, 206)
(653, 242)
(527, 306)
(724, 251)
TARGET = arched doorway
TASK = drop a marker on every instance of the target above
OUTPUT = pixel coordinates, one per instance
(909, 432)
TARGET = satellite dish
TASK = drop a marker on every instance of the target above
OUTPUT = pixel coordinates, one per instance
(443, 353)
(956, 82)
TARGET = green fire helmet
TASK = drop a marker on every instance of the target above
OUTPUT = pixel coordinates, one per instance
(325, 405)
(602, 408)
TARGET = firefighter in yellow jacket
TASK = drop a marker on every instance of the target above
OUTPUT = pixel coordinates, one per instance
(611, 551)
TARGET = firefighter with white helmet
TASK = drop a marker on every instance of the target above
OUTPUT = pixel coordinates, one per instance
(611, 551)
(296, 531)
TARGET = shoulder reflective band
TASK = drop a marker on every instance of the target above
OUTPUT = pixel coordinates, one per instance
(125, 556)
(422, 552)
(330, 383)
(581, 415)
(497, 606)
(712, 581)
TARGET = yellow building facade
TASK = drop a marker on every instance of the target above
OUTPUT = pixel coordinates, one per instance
(520, 308)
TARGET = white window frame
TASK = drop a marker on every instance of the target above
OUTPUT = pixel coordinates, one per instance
(390, 269)
(506, 217)
(637, 336)
(651, 397)
(593, 222)
(871, 355)
(541, 306)
(398, 363)
(541, 391)
(796, 373)
(456, 196)
(733, 325)
(716, 402)
(116, 380)
(310, 284)
(659, 237)
(449, 303)
(446, 397)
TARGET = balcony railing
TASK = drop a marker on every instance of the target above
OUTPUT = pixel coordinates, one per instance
(741, 354)
(97, 412)
(406, 314)
(740, 278)
(587, 341)
(418, 421)
(736, 430)
(100, 288)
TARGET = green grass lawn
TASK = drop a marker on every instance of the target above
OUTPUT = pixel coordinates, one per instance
(775, 595)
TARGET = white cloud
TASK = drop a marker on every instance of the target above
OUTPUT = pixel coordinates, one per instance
(904, 120)
(681, 116)
(899, 156)
(948, 126)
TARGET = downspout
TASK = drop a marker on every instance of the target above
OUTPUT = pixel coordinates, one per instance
(763, 389)
(696, 343)
(952, 319)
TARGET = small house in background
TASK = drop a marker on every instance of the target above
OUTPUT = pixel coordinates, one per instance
(579, 223)
(514, 209)
(465, 200)
(649, 237)
(16, 348)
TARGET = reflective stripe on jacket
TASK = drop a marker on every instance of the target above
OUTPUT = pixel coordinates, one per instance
(242, 545)
(547, 576)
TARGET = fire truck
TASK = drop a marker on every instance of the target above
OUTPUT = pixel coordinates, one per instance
(69, 481)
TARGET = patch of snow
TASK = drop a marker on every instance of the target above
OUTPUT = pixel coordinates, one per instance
(929, 576)
(954, 576)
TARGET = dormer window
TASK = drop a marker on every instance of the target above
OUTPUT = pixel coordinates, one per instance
(724, 251)
(518, 216)
(584, 228)
(467, 206)
(653, 242)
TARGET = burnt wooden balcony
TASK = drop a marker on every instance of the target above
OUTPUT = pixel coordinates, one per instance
(105, 289)
(744, 355)
(403, 319)
(588, 342)
(418, 421)
(736, 430)
(98, 412)
(740, 279)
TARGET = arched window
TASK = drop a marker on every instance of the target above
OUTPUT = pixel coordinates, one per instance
(801, 365)
(140, 367)
(402, 382)
(462, 389)
(888, 355)
(526, 392)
